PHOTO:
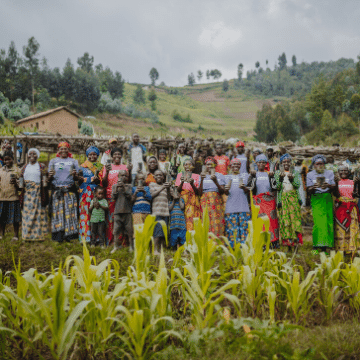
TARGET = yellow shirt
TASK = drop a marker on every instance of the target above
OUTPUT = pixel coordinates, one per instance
(8, 191)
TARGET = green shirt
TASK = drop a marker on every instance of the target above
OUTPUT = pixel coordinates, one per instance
(98, 215)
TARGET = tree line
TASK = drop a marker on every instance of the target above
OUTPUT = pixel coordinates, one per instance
(215, 74)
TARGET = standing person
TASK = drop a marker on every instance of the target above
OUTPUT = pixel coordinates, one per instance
(330, 164)
(141, 199)
(160, 192)
(123, 225)
(137, 153)
(288, 202)
(189, 190)
(321, 203)
(301, 169)
(153, 165)
(240, 148)
(271, 158)
(237, 210)
(222, 161)
(35, 197)
(64, 203)
(211, 188)
(110, 176)
(162, 161)
(347, 216)
(107, 154)
(177, 220)
(178, 161)
(10, 211)
(263, 185)
(89, 181)
(97, 221)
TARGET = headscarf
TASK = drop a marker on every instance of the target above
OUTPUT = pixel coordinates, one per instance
(239, 144)
(93, 149)
(235, 161)
(112, 140)
(64, 144)
(210, 159)
(35, 150)
(261, 157)
(257, 150)
(318, 157)
(285, 156)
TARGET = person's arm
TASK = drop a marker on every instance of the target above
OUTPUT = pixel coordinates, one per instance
(295, 180)
(220, 187)
(182, 204)
(105, 175)
(91, 207)
(114, 192)
(202, 177)
(104, 207)
(179, 188)
(155, 193)
(192, 183)
(171, 205)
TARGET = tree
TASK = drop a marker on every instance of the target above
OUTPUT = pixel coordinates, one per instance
(191, 79)
(267, 61)
(216, 74)
(282, 61)
(257, 64)
(116, 86)
(293, 59)
(240, 71)
(68, 80)
(266, 127)
(152, 98)
(139, 96)
(225, 85)
(208, 74)
(200, 75)
(32, 61)
(86, 62)
(154, 75)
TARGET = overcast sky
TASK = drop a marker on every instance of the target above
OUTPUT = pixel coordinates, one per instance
(183, 36)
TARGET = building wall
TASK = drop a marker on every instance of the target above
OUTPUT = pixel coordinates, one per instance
(61, 122)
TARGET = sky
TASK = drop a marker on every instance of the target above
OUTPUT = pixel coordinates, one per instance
(183, 36)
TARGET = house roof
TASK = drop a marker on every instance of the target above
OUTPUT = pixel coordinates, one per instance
(45, 113)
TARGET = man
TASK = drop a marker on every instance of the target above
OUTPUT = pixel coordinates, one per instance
(240, 147)
(137, 153)
(107, 154)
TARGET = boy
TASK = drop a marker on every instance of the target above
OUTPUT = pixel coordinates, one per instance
(160, 193)
(137, 153)
(97, 209)
(162, 161)
(141, 199)
(177, 220)
(222, 160)
(121, 194)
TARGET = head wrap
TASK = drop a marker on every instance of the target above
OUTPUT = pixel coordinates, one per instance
(112, 140)
(269, 148)
(35, 150)
(239, 144)
(261, 157)
(64, 144)
(152, 157)
(93, 149)
(209, 160)
(114, 150)
(257, 150)
(235, 161)
(317, 158)
(285, 156)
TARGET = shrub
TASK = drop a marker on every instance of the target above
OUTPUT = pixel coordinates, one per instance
(3, 98)
(2, 117)
(5, 109)
(178, 117)
(15, 114)
(86, 129)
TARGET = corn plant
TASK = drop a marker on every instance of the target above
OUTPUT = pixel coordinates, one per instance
(351, 283)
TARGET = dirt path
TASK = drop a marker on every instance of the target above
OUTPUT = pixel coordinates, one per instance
(209, 96)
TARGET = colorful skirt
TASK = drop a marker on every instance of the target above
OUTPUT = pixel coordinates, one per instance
(84, 225)
(267, 204)
(192, 208)
(323, 230)
(290, 218)
(10, 212)
(237, 227)
(34, 216)
(214, 202)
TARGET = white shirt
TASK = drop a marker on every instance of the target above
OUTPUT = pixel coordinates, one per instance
(136, 158)
(32, 173)
(287, 185)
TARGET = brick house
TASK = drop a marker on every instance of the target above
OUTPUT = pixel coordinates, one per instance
(60, 120)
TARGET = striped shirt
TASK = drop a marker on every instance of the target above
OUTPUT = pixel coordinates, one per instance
(177, 219)
(142, 204)
(160, 204)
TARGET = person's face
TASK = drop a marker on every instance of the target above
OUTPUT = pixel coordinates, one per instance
(255, 154)
(100, 194)
(113, 145)
(261, 165)
(181, 149)
(240, 149)
(140, 177)
(319, 167)
(63, 152)
(270, 153)
(159, 177)
(152, 164)
(219, 150)
(8, 161)
(235, 168)
(122, 176)
(136, 138)
(286, 163)
(32, 157)
(209, 166)
(116, 157)
(92, 157)
(344, 174)
(188, 166)
(162, 157)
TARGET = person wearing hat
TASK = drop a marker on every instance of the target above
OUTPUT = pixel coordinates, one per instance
(240, 147)
(107, 154)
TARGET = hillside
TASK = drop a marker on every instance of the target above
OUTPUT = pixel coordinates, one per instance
(212, 111)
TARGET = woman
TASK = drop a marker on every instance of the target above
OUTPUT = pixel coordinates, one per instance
(263, 185)
(109, 176)
(10, 212)
(237, 210)
(189, 190)
(64, 204)
(211, 189)
(89, 181)
(35, 197)
(288, 203)
(153, 165)
(321, 203)
(347, 234)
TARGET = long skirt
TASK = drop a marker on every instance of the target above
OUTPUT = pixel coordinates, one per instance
(214, 202)
(237, 227)
(267, 204)
(10, 212)
(290, 218)
(192, 208)
(84, 225)
(34, 216)
(347, 234)
(323, 230)
(64, 215)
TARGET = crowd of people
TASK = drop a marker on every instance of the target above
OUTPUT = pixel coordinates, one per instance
(102, 200)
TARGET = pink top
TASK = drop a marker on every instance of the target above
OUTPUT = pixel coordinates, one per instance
(113, 177)
(346, 188)
(186, 185)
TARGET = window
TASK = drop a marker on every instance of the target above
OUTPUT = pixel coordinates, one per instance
(37, 125)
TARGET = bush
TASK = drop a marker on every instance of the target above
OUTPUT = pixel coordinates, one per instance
(15, 114)
(86, 129)
(3, 98)
(5, 109)
(2, 117)
(178, 117)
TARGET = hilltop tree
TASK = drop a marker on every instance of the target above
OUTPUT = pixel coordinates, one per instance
(293, 59)
(216, 74)
(152, 98)
(200, 75)
(86, 62)
(240, 71)
(139, 96)
(225, 85)
(257, 64)
(267, 61)
(282, 61)
(208, 74)
(191, 79)
(154, 75)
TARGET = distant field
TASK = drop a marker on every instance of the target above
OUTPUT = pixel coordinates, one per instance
(212, 111)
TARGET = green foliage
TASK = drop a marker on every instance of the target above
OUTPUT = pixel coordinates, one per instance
(139, 96)
(282, 61)
(152, 98)
(216, 74)
(86, 62)
(2, 118)
(178, 117)
(199, 75)
(154, 75)
(225, 85)
(86, 129)
(191, 79)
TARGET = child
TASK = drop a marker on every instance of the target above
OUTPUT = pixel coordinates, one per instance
(141, 199)
(97, 221)
(160, 193)
(162, 161)
(137, 153)
(177, 220)
(121, 194)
